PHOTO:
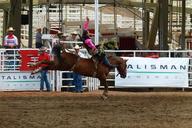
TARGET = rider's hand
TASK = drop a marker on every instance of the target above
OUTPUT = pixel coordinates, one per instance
(31, 65)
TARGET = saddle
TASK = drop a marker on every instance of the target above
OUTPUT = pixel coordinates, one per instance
(97, 55)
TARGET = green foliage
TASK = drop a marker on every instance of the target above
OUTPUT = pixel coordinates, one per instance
(109, 44)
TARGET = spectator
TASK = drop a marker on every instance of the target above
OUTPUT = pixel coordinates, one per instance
(59, 35)
(43, 55)
(45, 30)
(11, 42)
(77, 78)
(65, 37)
(74, 37)
(38, 37)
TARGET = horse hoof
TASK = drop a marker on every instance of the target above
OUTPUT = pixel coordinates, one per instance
(103, 97)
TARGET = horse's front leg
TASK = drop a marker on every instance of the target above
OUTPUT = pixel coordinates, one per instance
(105, 92)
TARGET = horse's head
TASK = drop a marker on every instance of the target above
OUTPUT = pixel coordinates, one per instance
(122, 68)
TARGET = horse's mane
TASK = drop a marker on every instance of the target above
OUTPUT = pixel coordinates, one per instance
(56, 50)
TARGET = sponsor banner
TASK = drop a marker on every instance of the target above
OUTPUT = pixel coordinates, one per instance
(152, 72)
(27, 57)
(19, 81)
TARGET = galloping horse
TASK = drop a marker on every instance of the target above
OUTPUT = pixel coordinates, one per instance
(66, 61)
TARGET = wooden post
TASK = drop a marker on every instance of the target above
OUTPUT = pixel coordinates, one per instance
(30, 23)
(14, 18)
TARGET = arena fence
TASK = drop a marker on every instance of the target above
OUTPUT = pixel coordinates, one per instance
(14, 76)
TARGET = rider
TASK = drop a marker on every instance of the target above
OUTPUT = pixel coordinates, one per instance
(92, 49)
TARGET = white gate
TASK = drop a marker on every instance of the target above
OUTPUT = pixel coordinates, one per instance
(65, 82)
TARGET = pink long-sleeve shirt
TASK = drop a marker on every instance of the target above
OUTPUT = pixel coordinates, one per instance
(86, 25)
(89, 43)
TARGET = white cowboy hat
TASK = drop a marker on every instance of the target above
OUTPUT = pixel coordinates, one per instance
(74, 33)
(77, 47)
(10, 29)
(59, 33)
(65, 34)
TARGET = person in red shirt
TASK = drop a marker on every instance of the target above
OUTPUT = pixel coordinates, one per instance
(43, 55)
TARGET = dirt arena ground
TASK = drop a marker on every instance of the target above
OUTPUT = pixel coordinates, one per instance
(87, 110)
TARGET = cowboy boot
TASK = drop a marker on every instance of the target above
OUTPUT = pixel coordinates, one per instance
(107, 63)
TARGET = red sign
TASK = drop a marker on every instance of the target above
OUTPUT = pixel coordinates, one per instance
(27, 57)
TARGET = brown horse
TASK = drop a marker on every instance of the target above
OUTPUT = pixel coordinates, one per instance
(66, 61)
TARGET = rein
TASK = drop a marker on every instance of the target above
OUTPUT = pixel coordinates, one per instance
(118, 73)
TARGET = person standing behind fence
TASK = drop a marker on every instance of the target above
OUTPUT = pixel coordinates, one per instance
(77, 78)
(43, 55)
(65, 37)
(10, 42)
(38, 38)
(74, 37)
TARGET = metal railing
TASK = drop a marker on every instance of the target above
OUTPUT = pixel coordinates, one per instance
(9, 60)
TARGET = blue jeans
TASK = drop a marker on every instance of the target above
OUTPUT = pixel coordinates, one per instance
(44, 79)
(77, 81)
